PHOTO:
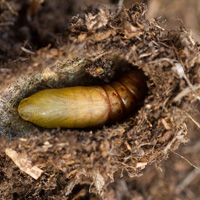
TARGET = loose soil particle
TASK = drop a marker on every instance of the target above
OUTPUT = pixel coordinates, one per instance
(79, 164)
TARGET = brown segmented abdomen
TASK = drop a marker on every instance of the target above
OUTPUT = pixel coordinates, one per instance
(89, 106)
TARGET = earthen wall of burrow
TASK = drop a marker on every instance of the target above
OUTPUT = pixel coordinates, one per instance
(100, 46)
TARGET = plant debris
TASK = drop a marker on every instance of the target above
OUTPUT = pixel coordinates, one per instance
(88, 158)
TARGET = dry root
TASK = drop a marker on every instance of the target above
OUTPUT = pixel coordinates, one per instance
(100, 43)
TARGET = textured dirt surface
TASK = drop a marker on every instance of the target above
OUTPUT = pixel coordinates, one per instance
(43, 46)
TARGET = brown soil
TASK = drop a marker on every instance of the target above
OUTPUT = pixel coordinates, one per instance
(47, 44)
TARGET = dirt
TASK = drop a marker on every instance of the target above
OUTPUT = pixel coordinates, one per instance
(151, 154)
